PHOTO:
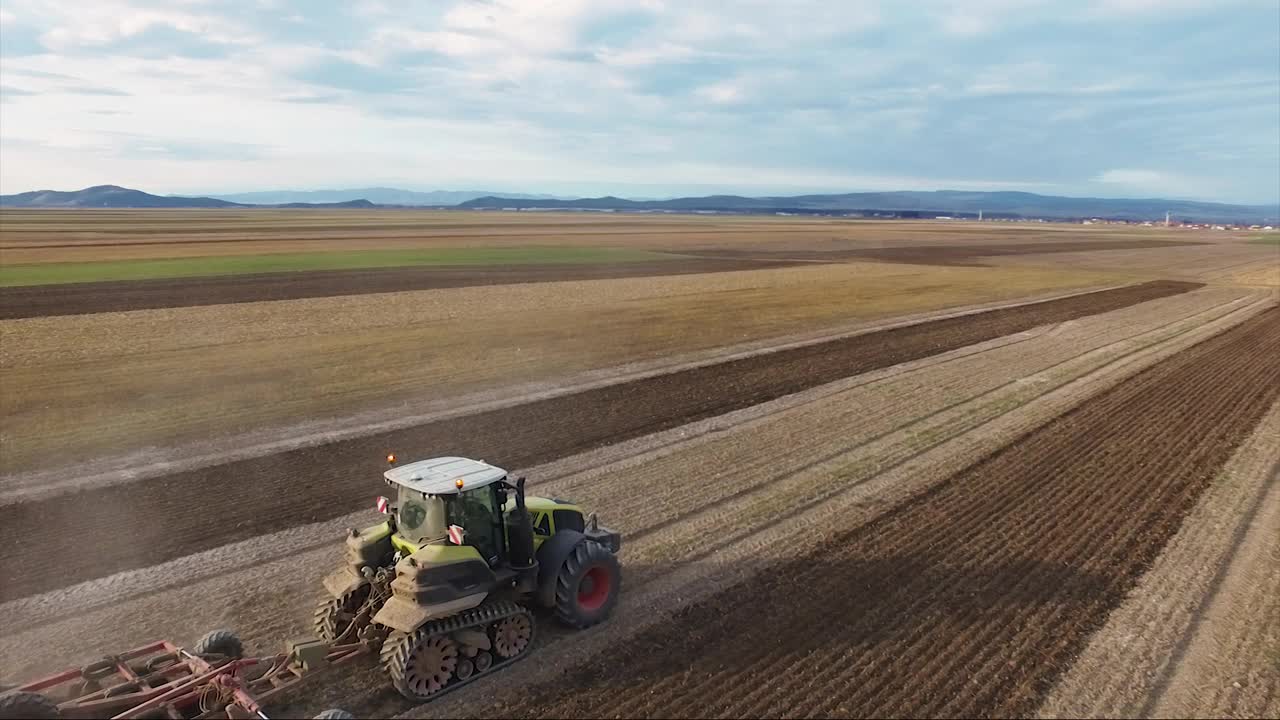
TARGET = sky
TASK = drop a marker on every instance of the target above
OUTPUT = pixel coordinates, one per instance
(1110, 98)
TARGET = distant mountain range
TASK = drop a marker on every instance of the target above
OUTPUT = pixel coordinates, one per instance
(377, 195)
(915, 203)
(893, 204)
(114, 196)
(107, 196)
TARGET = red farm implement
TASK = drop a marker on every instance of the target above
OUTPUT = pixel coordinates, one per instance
(163, 680)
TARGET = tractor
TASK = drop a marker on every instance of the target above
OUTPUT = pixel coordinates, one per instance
(447, 583)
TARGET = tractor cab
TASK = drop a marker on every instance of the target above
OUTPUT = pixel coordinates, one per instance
(451, 500)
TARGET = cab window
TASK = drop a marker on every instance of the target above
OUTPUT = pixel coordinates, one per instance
(541, 523)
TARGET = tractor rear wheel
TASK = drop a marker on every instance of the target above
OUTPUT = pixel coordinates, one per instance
(334, 616)
(587, 585)
(28, 705)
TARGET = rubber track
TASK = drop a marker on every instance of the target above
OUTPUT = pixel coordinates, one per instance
(970, 599)
(150, 521)
(395, 650)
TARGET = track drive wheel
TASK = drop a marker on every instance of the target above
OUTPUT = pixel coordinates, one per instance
(335, 615)
(512, 635)
(587, 585)
(419, 664)
(28, 706)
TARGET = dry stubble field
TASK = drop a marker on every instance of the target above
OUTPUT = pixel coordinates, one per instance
(872, 488)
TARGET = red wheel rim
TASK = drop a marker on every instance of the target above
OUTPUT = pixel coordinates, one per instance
(594, 588)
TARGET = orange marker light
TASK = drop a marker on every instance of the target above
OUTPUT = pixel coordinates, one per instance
(391, 458)
(458, 482)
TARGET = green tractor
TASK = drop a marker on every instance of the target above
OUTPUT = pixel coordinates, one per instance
(446, 583)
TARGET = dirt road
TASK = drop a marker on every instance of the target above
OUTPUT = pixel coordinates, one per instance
(161, 518)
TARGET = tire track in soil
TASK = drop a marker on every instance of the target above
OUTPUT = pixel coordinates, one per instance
(705, 504)
(161, 518)
(969, 599)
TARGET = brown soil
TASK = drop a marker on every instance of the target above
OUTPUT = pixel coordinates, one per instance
(969, 599)
(113, 296)
(1186, 632)
(161, 518)
(946, 254)
(1230, 664)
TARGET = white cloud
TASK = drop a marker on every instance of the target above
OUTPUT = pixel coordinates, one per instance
(7, 17)
(664, 52)
(103, 22)
(721, 92)
(810, 93)
(1150, 182)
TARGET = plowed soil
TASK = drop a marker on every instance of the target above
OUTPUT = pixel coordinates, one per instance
(969, 599)
(100, 297)
(157, 519)
(947, 254)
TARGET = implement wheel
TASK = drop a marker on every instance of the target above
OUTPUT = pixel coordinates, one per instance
(587, 585)
(219, 642)
(27, 706)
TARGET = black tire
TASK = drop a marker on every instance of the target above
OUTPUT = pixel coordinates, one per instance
(27, 706)
(219, 642)
(334, 714)
(587, 585)
(328, 623)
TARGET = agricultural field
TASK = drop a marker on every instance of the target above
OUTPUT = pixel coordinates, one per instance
(860, 468)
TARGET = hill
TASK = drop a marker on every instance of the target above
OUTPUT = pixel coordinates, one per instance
(106, 196)
(377, 195)
(925, 204)
(114, 196)
(893, 204)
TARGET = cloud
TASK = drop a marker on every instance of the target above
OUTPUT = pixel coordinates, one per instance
(1150, 182)
(624, 93)
(107, 22)
(90, 90)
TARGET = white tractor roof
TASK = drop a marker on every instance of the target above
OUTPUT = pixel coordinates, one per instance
(439, 476)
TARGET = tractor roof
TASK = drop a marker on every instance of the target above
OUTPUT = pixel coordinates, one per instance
(439, 476)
